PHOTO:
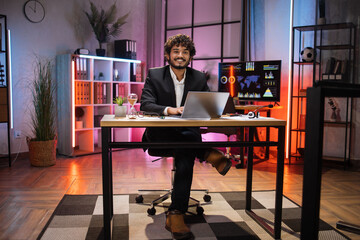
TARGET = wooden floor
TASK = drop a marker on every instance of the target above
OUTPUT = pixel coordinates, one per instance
(29, 195)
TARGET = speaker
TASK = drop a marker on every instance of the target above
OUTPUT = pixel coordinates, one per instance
(125, 49)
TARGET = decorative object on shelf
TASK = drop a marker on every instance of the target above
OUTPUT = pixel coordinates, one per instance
(335, 115)
(116, 75)
(82, 51)
(42, 146)
(34, 11)
(307, 54)
(103, 24)
(120, 109)
(101, 76)
(321, 20)
(79, 113)
(132, 99)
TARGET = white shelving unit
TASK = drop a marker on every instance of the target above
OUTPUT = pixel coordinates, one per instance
(90, 83)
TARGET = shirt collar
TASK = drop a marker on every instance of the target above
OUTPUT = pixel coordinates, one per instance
(174, 78)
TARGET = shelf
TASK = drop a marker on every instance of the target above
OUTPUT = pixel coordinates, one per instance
(336, 123)
(324, 39)
(83, 129)
(296, 155)
(331, 158)
(297, 130)
(335, 26)
(305, 63)
(94, 96)
(335, 47)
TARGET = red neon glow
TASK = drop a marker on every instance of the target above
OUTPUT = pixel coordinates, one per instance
(231, 83)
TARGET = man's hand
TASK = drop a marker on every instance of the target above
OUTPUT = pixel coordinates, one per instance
(175, 111)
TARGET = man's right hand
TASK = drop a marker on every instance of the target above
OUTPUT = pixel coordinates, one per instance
(175, 111)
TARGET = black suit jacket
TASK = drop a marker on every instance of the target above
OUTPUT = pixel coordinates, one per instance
(159, 91)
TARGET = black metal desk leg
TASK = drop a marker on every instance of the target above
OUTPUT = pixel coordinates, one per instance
(107, 181)
(267, 148)
(312, 164)
(279, 181)
(249, 170)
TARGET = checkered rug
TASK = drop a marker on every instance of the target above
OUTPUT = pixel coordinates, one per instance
(80, 217)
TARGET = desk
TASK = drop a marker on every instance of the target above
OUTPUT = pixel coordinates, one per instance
(109, 121)
(314, 134)
(253, 108)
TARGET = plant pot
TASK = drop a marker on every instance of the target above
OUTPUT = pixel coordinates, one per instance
(120, 111)
(42, 153)
(100, 52)
(79, 124)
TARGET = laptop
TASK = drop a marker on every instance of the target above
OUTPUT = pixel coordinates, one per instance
(204, 105)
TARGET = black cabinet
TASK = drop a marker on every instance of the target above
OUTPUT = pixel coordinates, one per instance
(331, 62)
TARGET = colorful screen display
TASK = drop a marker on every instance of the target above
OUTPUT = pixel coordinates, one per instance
(251, 81)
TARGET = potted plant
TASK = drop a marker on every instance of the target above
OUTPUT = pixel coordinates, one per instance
(104, 24)
(120, 109)
(42, 145)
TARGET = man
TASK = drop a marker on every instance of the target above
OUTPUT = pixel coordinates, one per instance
(164, 93)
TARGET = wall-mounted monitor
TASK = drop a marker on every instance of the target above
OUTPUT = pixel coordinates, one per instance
(251, 81)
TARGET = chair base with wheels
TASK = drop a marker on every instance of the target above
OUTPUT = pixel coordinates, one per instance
(162, 198)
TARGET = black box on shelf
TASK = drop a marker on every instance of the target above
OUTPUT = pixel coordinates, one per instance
(97, 119)
(125, 49)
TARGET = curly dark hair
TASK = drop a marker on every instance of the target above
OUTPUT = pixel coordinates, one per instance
(182, 40)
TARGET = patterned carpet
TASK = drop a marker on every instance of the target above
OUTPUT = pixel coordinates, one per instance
(80, 217)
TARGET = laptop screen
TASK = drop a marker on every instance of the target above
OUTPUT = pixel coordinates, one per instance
(204, 104)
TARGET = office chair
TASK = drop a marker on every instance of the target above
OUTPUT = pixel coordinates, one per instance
(151, 211)
(229, 109)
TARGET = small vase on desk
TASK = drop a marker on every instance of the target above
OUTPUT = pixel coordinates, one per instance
(120, 111)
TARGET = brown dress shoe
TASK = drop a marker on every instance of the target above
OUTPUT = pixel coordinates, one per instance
(176, 225)
(218, 160)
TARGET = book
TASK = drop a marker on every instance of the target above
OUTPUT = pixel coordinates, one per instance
(337, 67)
(84, 69)
(344, 67)
(330, 64)
(77, 70)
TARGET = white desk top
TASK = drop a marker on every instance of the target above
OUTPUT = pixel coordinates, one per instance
(225, 121)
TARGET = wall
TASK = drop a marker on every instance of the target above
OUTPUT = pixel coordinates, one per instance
(270, 34)
(64, 29)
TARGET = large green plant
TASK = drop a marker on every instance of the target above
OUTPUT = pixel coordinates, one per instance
(104, 23)
(43, 118)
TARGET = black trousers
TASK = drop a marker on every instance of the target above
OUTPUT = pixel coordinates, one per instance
(184, 160)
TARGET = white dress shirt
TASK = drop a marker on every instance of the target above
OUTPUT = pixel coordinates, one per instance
(179, 89)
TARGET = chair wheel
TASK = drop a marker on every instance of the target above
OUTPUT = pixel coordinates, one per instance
(151, 211)
(207, 198)
(139, 199)
(199, 210)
